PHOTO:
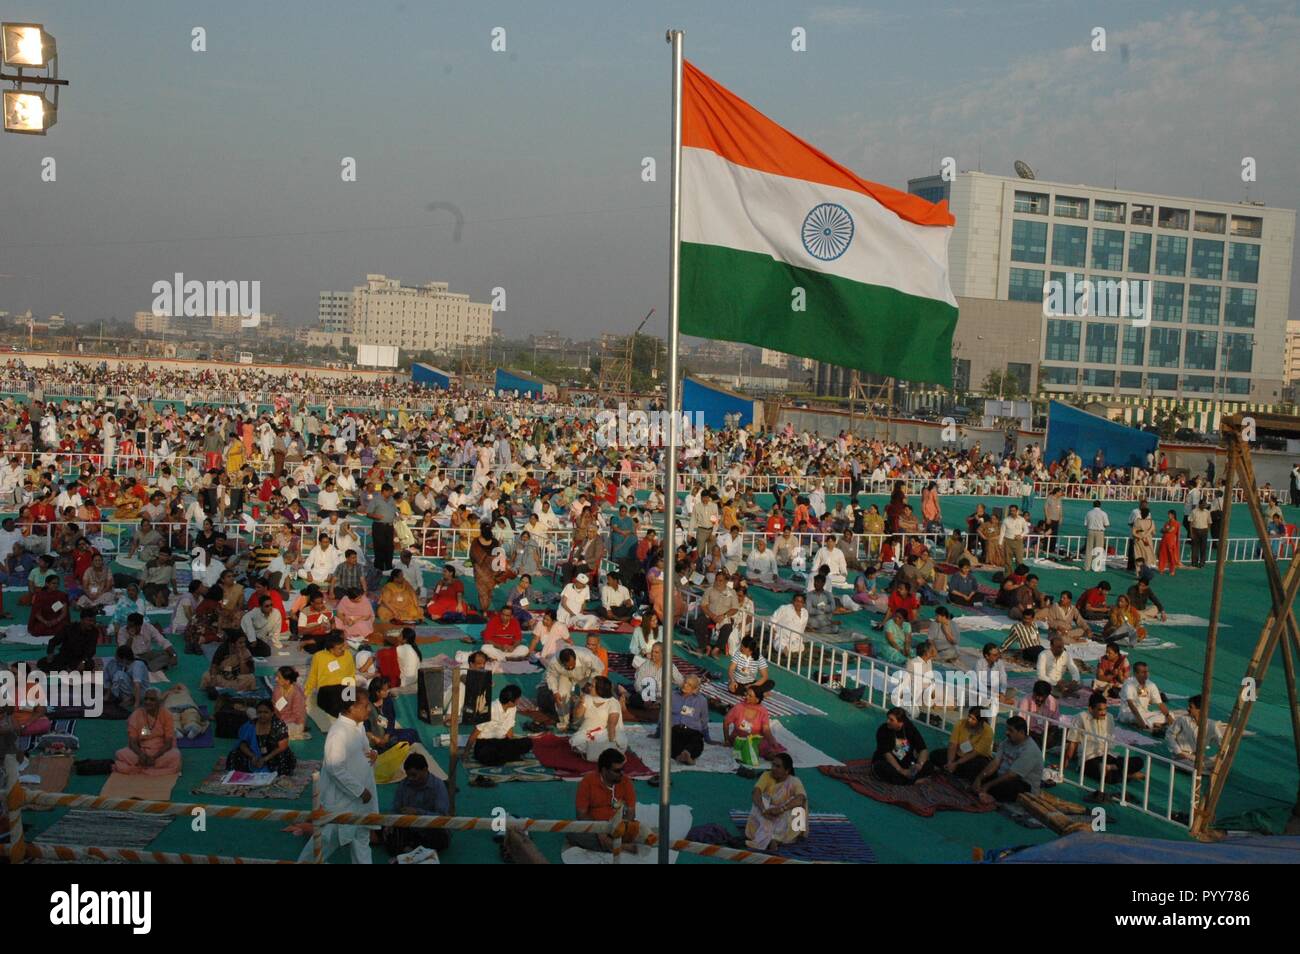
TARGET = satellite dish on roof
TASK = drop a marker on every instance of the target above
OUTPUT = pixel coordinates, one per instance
(1023, 170)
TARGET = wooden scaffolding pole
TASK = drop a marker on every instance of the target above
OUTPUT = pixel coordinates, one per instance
(1280, 626)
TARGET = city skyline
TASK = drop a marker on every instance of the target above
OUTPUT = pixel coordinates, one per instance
(226, 164)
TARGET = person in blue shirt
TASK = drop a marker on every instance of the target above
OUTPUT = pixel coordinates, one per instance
(420, 793)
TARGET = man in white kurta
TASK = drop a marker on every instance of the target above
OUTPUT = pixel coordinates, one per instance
(347, 782)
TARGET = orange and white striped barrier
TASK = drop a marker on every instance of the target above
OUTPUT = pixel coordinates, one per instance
(70, 853)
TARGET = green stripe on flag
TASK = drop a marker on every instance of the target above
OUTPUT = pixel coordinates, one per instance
(748, 296)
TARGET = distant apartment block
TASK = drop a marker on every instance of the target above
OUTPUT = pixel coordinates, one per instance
(427, 317)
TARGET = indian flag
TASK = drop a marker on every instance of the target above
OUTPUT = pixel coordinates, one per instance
(770, 226)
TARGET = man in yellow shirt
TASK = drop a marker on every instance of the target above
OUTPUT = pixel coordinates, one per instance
(970, 747)
(331, 681)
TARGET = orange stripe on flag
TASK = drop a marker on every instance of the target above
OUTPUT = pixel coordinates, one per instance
(716, 119)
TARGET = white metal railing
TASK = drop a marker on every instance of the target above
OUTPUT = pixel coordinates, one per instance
(831, 667)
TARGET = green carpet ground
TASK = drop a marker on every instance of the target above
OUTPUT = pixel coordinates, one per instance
(1263, 778)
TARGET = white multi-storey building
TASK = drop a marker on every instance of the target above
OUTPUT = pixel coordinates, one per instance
(334, 316)
(423, 318)
(1219, 292)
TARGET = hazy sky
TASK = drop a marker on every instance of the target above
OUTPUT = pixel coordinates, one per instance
(226, 164)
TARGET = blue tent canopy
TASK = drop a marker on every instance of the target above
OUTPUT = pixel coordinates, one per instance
(430, 377)
(715, 403)
(512, 381)
(1068, 428)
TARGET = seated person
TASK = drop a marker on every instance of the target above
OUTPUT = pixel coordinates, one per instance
(943, 635)
(897, 648)
(73, 648)
(549, 635)
(646, 634)
(598, 793)
(503, 638)
(567, 671)
(448, 595)
(1036, 707)
(597, 649)
(789, 623)
(419, 793)
(761, 566)
(332, 667)
(991, 677)
(97, 584)
(355, 615)
(901, 757)
(1057, 668)
(315, 620)
(1182, 735)
(1124, 622)
(615, 598)
(1063, 618)
(866, 593)
(382, 729)
(716, 615)
(1138, 696)
(1087, 738)
(647, 680)
(399, 605)
(149, 646)
(493, 742)
(600, 714)
(963, 589)
(1112, 671)
(748, 668)
(970, 747)
(1029, 596)
(50, 612)
(150, 740)
(822, 607)
(263, 745)
(125, 681)
(1018, 767)
(779, 814)
(749, 718)
(233, 666)
(1092, 604)
(690, 721)
(574, 597)
(1143, 599)
(290, 703)
(1023, 640)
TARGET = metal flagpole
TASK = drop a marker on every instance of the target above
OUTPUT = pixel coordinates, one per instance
(670, 451)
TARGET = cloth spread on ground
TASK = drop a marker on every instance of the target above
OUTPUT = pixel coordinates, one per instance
(82, 829)
(934, 794)
(714, 758)
(53, 772)
(679, 823)
(286, 786)
(554, 752)
(156, 788)
(830, 837)
(527, 769)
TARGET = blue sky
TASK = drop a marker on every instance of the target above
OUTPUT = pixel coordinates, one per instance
(225, 164)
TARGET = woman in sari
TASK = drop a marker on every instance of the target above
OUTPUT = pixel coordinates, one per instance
(750, 718)
(1112, 671)
(898, 639)
(232, 666)
(778, 800)
(232, 609)
(202, 626)
(97, 584)
(355, 615)
(1170, 545)
(1124, 621)
(398, 605)
(1144, 536)
(263, 745)
(989, 533)
(873, 525)
(448, 595)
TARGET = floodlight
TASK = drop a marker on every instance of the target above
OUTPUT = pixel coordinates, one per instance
(27, 112)
(27, 44)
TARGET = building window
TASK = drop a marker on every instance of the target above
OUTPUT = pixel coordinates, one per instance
(1100, 346)
(1060, 377)
(1141, 215)
(1203, 304)
(1165, 346)
(1167, 302)
(1131, 380)
(1135, 340)
(1215, 222)
(1071, 207)
(1021, 373)
(1108, 249)
(1238, 352)
(1162, 382)
(1095, 378)
(1069, 245)
(934, 194)
(961, 375)
(1062, 340)
(1031, 203)
(1247, 226)
(1236, 385)
(1173, 219)
(1239, 310)
(1104, 211)
(1243, 262)
(1201, 350)
(1025, 284)
(1171, 255)
(1207, 259)
(1139, 252)
(1029, 242)
(1198, 383)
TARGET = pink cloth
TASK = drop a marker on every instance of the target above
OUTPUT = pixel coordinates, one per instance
(359, 610)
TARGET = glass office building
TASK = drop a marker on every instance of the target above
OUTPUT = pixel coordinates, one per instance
(1216, 283)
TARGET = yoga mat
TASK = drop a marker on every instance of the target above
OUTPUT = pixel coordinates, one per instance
(527, 769)
(937, 793)
(554, 752)
(830, 838)
(156, 788)
(286, 786)
(84, 829)
(715, 758)
(804, 755)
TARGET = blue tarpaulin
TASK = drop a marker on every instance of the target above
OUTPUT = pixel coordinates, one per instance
(715, 403)
(1086, 847)
(429, 376)
(1068, 429)
(523, 383)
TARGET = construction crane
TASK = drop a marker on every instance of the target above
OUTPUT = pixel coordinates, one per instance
(616, 362)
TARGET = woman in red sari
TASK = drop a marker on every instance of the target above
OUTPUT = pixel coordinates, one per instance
(1170, 547)
(448, 595)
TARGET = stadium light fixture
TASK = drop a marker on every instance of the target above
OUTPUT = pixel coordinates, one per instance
(28, 112)
(27, 45)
